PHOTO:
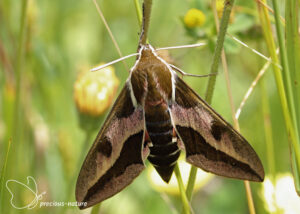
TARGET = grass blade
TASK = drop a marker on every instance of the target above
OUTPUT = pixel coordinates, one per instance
(109, 32)
(286, 101)
(292, 77)
(3, 175)
(287, 77)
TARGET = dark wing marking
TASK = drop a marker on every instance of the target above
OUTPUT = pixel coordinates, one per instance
(210, 142)
(116, 157)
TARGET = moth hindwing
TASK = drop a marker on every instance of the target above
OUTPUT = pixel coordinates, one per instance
(154, 107)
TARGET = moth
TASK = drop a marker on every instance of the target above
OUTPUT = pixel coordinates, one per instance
(155, 116)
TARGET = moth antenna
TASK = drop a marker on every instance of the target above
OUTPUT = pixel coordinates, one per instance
(182, 46)
(252, 86)
(253, 50)
(113, 62)
(191, 75)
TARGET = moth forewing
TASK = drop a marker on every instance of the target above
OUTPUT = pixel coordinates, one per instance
(116, 156)
(210, 142)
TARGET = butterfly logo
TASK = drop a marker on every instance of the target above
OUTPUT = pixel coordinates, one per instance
(37, 197)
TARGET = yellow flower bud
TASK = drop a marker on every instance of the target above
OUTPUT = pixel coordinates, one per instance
(94, 93)
(172, 187)
(194, 18)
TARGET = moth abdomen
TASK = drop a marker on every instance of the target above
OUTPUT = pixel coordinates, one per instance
(164, 149)
(164, 152)
(161, 137)
(157, 127)
(164, 158)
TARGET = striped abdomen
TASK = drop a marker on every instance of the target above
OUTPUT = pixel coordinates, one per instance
(164, 152)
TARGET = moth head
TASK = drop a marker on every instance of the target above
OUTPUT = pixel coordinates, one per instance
(147, 50)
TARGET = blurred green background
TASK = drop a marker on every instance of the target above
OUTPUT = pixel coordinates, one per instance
(61, 37)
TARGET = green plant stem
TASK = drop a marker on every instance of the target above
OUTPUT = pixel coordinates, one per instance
(3, 176)
(295, 172)
(282, 50)
(17, 156)
(138, 11)
(285, 65)
(268, 130)
(191, 182)
(293, 44)
(146, 21)
(228, 4)
(235, 121)
(18, 72)
(288, 116)
(184, 199)
(292, 78)
(236, 125)
(96, 209)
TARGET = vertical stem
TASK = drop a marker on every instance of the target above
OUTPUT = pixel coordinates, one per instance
(249, 197)
(295, 172)
(228, 4)
(235, 121)
(225, 67)
(138, 11)
(2, 176)
(290, 124)
(18, 71)
(146, 21)
(96, 209)
(17, 156)
(292, 76)
(191, 182)
(184, 199)
(280, 37)
(284, 61)
(268, 130)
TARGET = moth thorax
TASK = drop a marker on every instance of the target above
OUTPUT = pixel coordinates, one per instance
(164, 151)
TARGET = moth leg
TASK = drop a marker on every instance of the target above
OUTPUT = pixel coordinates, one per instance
(177, 139)
(191, 75)
(147, 144)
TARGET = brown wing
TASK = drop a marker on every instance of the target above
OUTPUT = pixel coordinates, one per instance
(210, 142)
(116, 157)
